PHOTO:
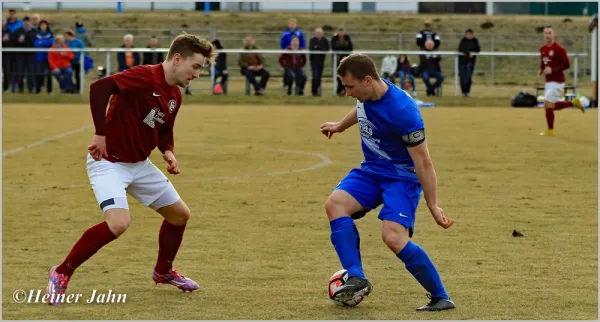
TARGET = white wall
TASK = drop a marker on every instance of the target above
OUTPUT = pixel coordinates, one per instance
(33, 5)
(307, 6)
(397, 6)
(296, 6)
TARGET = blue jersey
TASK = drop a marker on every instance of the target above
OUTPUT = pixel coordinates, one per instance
(387, 127)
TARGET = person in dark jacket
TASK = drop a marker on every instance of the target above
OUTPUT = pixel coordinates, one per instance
(317, 61)
(466, 63)
(152, 58)
(428, 34)
(128, 59)
(12, 25)
(24, 38)
(430, 67)
(341, 42)
(221, 66)
(5, 66)
(43, 39)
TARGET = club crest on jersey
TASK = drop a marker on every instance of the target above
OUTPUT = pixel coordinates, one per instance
(172, 106)
(551, 53)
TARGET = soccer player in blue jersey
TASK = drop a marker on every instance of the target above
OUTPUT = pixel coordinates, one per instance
(396, 169)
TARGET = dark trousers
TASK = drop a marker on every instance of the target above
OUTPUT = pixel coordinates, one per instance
(25, 72)
(439, 78)
(317, 75)
(297, 75)
(465, 72)
(64, 76)
(43, 75)
(251, 76)
(5, 72)
(77, 74)
(224, 77)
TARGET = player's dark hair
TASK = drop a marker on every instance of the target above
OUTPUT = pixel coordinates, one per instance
(548, 26)
(186, 45)
(359, 66)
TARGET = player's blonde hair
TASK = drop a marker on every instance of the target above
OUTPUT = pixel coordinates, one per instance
(186, 45)
(359, 66)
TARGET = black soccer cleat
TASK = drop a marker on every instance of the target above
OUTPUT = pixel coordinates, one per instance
(437, 304)
(354, 286)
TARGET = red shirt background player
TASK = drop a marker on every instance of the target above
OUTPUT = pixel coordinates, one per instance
(145, 101)
(553, 62)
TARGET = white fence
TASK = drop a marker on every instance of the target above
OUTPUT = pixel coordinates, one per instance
(455, 54)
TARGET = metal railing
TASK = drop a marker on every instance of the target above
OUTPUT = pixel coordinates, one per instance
(335, 54)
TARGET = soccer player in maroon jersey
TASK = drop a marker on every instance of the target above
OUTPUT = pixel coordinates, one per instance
(145, 101)
(554, 61)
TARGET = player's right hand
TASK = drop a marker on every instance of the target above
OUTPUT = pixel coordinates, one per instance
(98, 147)
(440, 218)
(331, 127)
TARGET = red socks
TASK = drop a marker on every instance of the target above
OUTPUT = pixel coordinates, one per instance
(550, 118)
(169, 240)
(98, 236)
(90, 242)
(561, 105)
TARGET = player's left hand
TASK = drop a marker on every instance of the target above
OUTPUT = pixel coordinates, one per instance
(173, 167)
(548, 70)
(440, 218)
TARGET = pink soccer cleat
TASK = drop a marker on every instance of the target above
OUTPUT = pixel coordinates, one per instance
(57, 286)
(174, 278)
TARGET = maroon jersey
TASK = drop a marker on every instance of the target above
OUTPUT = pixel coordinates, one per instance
(141, 114)
(556, 57)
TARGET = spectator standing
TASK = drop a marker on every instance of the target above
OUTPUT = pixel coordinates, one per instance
(221, 68)
(152, 58)
(466, 63)
(317, 61)
(43, 39)
(341, 42)
(73, 42)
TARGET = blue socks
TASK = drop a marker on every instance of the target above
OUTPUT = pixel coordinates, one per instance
(420, 266)
(346, 241)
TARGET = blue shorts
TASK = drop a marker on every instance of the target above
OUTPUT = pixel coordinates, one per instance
(400, 198)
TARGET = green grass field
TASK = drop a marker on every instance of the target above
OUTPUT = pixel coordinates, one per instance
(256, 178)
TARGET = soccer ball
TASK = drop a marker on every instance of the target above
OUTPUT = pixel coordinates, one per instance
(336, 281)
(584, 101)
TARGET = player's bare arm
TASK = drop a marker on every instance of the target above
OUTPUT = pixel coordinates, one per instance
(100, 93)
(427, 177)
(329, 128)
(173, 166)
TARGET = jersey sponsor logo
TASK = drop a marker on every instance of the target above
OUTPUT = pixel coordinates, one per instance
(551, 53)
(172, 105)
(366, 129)
(155, 115)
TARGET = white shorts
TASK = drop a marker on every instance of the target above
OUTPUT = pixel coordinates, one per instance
(142, 180)
(553, 91)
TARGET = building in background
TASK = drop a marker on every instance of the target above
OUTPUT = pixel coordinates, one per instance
(483, 7)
